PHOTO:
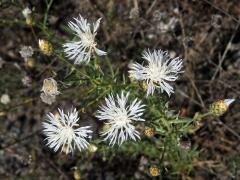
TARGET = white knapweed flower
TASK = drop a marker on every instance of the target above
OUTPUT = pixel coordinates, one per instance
(81, 50)
(63, 132)
(159, 71)
(120, 118)
(26, 12)
(26, 52)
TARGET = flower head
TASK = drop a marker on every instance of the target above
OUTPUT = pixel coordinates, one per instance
(45, 46)
(27, 81)
(26, 12)
(154, 171)
(92, 148)
(26, 52)
(219, 107)
(159, 71)
(120, 117)
(82, 49)
(50, 87)
(30, 62)
(5, 99)
(149, 132)
(49, 91)
(64, 131)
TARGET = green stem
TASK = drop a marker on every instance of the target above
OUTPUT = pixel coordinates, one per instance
(204, 115)
(99, 97)
(163, 152)
(10, 21)
(46, 13)
(110, 66)
(93, 81)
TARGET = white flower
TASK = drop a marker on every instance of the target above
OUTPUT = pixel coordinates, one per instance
(5, 99)
(120, 117)
(26, 52)
(159, 71)
(64, 131)
(82, 49)
(26, 12)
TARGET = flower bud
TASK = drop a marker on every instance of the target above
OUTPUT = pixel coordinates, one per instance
(149, 132)
(154, 171)
(30, 62)
(92, 148)
(29, 20)
(2, 113)
(27, 14)
(45, 46)
(144, 85)
(76, 174)
(219, 107)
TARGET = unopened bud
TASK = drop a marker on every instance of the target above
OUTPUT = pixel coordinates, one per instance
(29, 20)
(144, 85)
(92, 148)
(30, 62)
(76, 174)
(219, 107)
(106, 127)
(27, 14)
(45, 47)
(149, 132)
(2, 113)
(154, 171)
